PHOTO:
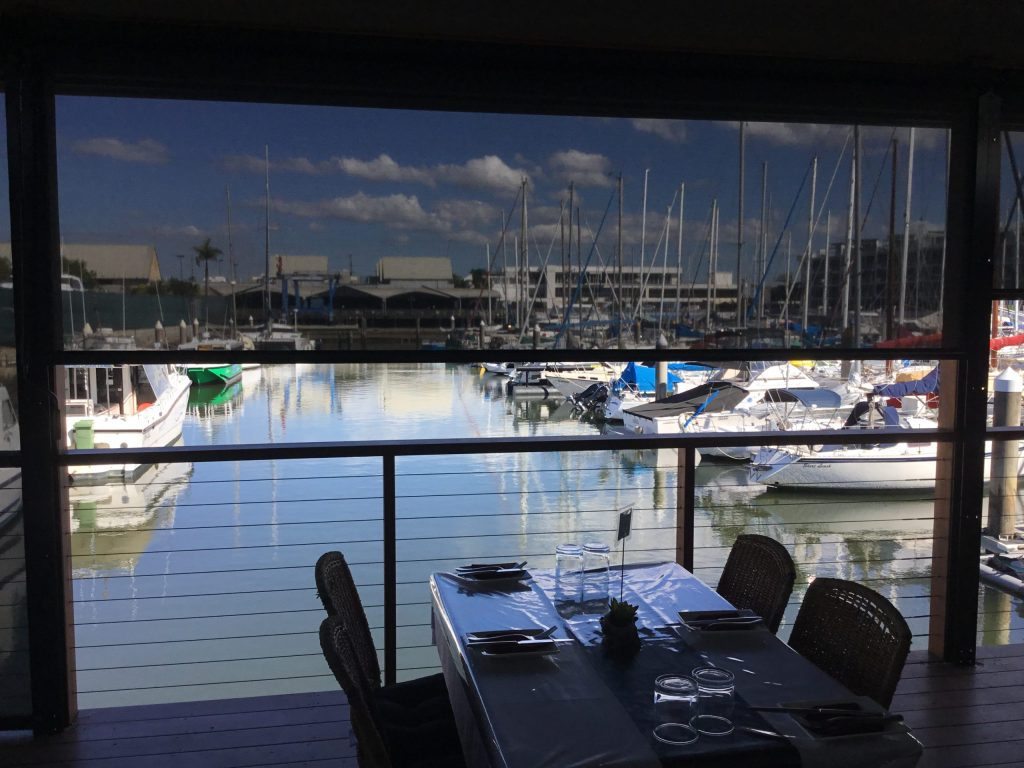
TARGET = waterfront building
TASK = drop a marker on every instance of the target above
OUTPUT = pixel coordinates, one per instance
(549, 292)
(115, 265)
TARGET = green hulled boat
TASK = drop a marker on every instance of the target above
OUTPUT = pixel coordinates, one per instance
(214, 374)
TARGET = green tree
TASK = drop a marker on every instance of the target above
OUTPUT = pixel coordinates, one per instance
(206, 253)
(478, 277)
(5, 268)
(77, 268)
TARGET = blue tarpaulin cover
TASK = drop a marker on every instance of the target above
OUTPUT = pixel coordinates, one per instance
(643, 378)
(923, 386)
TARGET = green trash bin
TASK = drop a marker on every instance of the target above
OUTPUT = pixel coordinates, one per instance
(84, 434)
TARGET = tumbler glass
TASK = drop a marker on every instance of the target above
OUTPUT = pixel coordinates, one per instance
(596, 571)
(675, 705)
(715, 695)
(569, 573)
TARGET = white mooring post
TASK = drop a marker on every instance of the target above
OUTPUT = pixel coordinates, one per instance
(1002, 501)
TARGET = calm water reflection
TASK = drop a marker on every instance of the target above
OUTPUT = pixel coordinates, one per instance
(197, 582)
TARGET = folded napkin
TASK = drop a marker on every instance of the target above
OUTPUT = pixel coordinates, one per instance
(485, 566)
(838, 718)
(495, 575)
(846, 725)
(718, 621)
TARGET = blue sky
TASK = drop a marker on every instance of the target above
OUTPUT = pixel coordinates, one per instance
(371, 183)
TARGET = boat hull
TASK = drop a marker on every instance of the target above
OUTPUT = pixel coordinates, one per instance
(892, 468)
(214, 374)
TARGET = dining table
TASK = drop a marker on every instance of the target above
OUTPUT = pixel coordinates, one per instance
(574, 704)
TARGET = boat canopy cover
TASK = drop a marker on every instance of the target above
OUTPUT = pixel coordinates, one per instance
(923, 386)
(809, 398)
(712, 397)
(158, 378)
(643, 378)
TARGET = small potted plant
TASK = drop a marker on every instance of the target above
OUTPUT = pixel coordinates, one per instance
(618, 628)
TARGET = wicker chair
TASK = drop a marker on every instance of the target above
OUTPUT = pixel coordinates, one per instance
(341, 658)
(855, 635)
(381, 742)
(759, 575)
(338, 593)
(411, 701)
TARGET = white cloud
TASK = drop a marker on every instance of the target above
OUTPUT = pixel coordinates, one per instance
(382, 168)
(400, 211)
(145, 151)
(584, 168)
(186, 230)
(669, 130)
(487, 172)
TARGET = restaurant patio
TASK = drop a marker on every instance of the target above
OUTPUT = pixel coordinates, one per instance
(961, 72)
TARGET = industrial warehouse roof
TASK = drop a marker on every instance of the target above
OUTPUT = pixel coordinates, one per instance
(387, 292)
(287, 264)
(425, 269)
(110, 262)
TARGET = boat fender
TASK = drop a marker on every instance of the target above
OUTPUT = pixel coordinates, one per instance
(143, 406)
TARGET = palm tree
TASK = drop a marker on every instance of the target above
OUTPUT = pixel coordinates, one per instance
(205, 253)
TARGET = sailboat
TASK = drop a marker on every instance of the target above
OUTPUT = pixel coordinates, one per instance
(274, 336)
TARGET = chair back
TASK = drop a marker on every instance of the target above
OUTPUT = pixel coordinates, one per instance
(341, 658)
(759, 575)
(338, 593)
(854, 634)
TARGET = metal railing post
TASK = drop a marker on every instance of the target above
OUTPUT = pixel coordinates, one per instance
(390, 574)
(685, 506)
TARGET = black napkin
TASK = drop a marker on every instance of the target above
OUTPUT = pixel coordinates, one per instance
(843, 718)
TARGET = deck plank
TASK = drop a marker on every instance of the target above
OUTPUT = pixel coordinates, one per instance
(964, 717)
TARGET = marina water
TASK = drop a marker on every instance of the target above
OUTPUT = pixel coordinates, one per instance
(196, 582)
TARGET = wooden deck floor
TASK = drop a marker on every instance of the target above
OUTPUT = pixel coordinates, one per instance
(964, 717)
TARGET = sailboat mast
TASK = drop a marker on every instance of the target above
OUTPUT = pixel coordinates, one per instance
(848, 248)
(711, 265)
(906, 229)
(487, 265)
(266, 239)
(740, 314)
(643, 242)
(810, 244)
(622, 298)
(664, 269)
(524, 274)
(858, 295)
(565, 275)
(828, 248)
(679, 253)
(504, 264)
(762, 244)
(891, 278)
(231, 265)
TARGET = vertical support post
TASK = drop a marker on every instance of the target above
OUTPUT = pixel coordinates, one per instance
(35, 249)
(390, 574)
(685, 489)
(973, 215)
(1002, 499)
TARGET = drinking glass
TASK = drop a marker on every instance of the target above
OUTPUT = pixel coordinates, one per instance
(675, 705)
(715, 695)
(569, 573)
(596, 571)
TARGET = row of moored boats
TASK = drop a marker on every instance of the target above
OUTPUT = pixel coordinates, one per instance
(764, 397)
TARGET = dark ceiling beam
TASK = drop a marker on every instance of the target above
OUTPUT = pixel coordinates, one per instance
(192, 60)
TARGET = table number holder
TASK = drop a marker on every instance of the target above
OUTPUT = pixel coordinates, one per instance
(625, 526)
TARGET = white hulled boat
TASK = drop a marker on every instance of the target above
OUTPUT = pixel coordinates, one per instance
(122, 406)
